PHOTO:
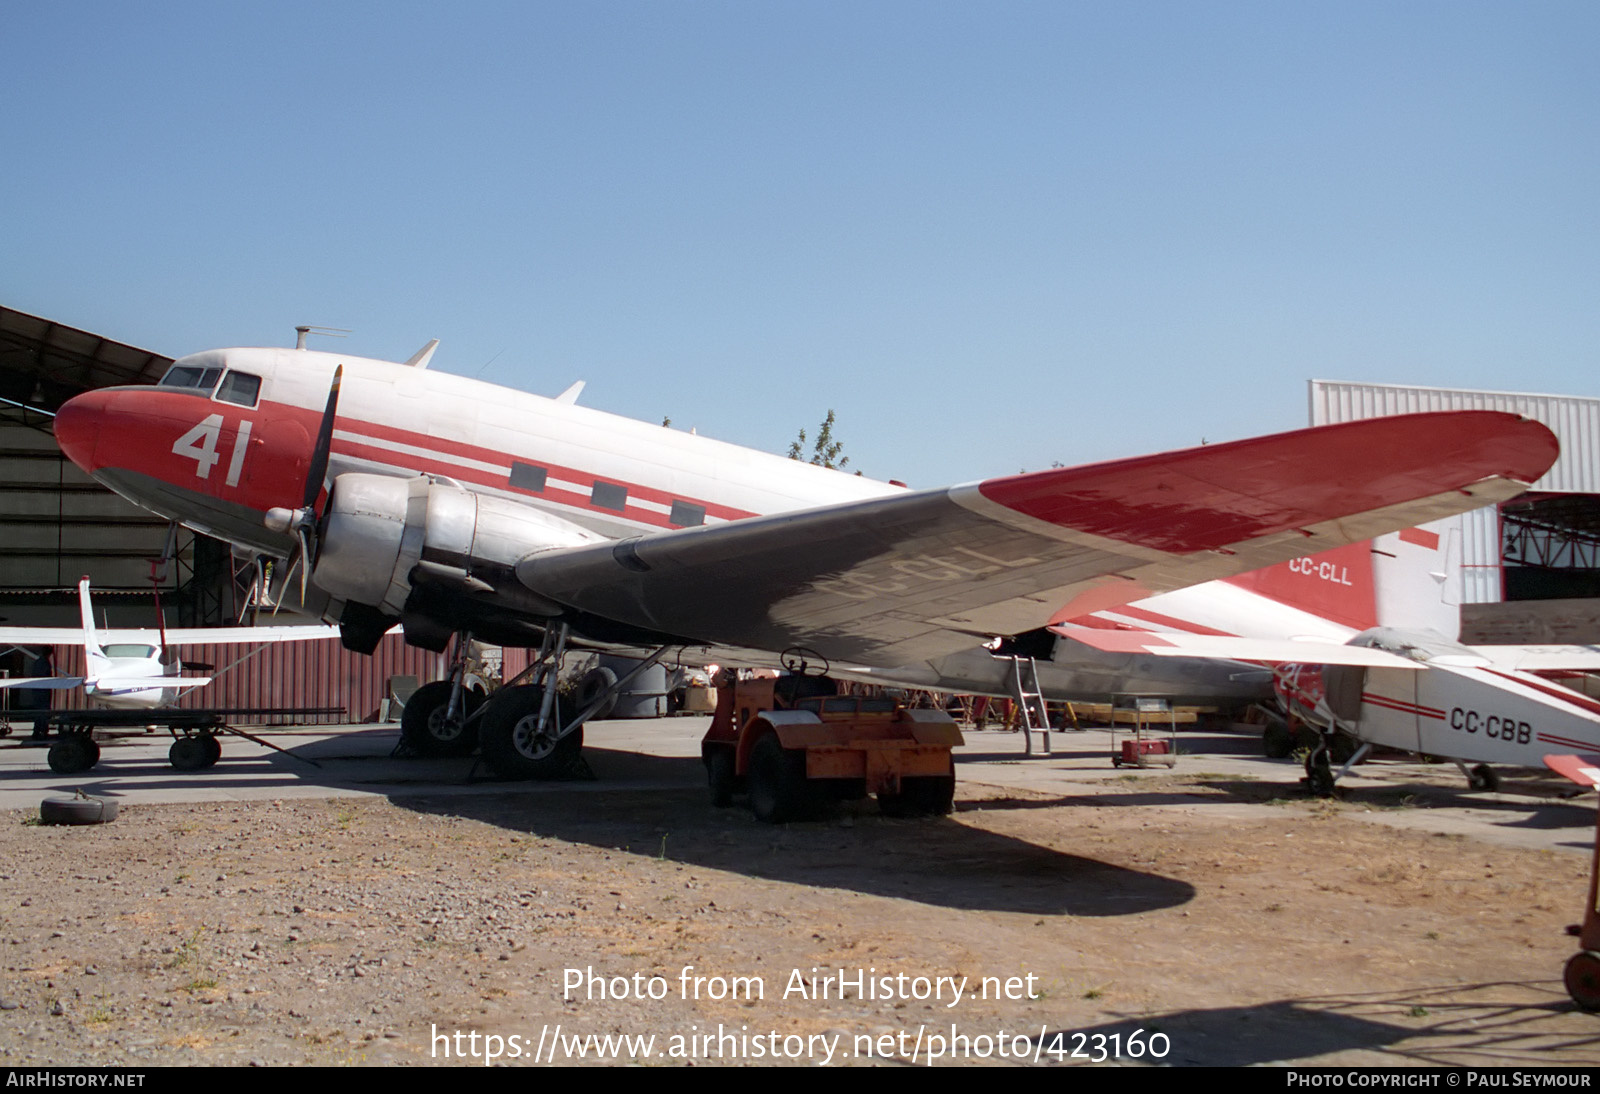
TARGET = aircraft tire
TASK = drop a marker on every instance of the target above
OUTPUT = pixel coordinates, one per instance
(73, 753)
(424, 727)
(1485, 778)
(81, 810)
(720, 776)
(1319, 774)
(1582, 979)
(213, 748)
(778, 790)
(189, 754)
(514, 746)
(592, 686)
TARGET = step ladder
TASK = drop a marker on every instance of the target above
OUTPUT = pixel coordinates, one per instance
(1033, 716)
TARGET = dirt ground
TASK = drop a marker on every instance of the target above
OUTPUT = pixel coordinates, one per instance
(372, 930)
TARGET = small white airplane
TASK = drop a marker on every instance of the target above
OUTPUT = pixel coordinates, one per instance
(139, 671)
(136, 669)
(1339, 668)
(456, 507)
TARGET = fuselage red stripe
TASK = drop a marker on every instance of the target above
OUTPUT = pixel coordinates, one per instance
(1401, 706)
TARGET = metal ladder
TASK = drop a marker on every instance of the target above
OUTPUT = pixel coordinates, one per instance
(1032, 713)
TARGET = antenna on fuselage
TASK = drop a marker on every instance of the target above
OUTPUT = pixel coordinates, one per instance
(300, 333)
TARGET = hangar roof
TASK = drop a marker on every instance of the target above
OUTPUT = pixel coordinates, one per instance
(44, 363)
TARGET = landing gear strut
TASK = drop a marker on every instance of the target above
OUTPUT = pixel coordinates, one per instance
(526, 733)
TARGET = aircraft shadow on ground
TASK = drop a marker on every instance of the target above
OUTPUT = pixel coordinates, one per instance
(932, 860)
(1444, 1026)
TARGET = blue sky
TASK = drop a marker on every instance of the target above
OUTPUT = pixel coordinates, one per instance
(990, 236)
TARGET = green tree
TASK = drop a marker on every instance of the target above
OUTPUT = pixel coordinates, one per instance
(825, 450)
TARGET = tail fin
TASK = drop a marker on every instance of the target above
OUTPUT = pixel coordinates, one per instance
(95, 660)
(1336, 585)
(1418, 577)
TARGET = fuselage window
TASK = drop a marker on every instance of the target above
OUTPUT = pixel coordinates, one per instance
(191, 376)
(608, 495)
(240, 389)
(687, 514)
(525, 476)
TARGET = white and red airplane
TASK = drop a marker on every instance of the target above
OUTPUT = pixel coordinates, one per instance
(1363, 640)
(458, 507)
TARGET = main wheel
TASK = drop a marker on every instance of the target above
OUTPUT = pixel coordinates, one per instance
(1583, 979)
(1319, 775)
(778, 790)
(72, 753)
(513, 743)
(720, 776)
(213, 748)
(426, 724)
(190, 754)
(1484, 777)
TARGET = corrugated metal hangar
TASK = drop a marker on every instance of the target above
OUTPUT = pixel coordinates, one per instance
(60, 525)
(1531, 567)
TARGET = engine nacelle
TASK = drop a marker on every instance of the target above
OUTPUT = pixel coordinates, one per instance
(378, 530)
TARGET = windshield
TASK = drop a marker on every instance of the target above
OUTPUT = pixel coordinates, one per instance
(192, 376)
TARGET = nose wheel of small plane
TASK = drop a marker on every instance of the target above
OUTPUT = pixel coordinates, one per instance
(73, 753)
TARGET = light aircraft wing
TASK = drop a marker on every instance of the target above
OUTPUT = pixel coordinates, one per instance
(909, 577)
(42, 683)
(1541, 658)
(182, 636)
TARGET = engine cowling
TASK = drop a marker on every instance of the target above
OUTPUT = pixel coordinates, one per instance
(381, 533)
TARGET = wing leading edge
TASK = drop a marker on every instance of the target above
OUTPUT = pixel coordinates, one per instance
(894, 580)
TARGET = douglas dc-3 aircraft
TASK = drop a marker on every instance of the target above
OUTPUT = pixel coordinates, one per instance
(457, 507)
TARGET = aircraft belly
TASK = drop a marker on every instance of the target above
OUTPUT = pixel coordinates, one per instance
(225, 520)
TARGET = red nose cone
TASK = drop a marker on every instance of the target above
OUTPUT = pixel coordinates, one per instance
(77, 427)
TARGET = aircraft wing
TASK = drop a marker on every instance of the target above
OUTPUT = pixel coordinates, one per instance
(42, 683)
(909, 577)
(196, 636)
(1541, 658)
(178, 636)
(1285, 651)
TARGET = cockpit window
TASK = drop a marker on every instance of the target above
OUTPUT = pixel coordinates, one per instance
(127, 649)
(239, 388)
(191, 376)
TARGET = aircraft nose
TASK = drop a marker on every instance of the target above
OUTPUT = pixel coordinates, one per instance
(77, 427)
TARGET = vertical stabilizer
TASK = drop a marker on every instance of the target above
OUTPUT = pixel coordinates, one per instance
(95, 660)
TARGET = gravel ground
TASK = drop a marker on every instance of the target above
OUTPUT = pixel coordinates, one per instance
(372, 930)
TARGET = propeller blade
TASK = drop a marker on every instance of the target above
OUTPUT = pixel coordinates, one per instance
(319, 455)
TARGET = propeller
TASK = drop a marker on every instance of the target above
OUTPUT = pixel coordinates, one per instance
(302, 522)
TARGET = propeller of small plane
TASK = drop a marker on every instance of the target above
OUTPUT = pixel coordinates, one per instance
(303, 521)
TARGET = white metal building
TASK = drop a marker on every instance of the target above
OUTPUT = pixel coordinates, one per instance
(1551, 541)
